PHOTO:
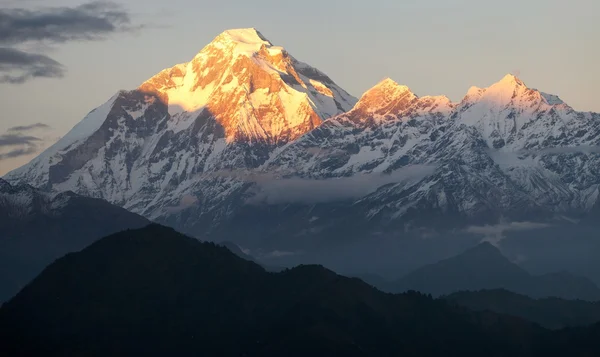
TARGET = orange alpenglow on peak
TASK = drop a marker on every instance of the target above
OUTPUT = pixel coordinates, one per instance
(390, 85)
(511, 79)
(245, 35)
(508, 82)
(255, 90)
(385, 97)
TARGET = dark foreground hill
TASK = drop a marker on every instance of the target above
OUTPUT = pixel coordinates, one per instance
(155, 292)
(36, 228)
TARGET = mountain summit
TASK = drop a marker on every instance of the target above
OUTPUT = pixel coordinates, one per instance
(256, 91)
(385, 98)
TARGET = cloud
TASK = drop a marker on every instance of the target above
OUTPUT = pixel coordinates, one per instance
(17, 139)
(185, 202)
(19, 144)
(18, 152)
(571, 150)
(92, 21)
(276, 190)
(29, 127)
(262, 255)
(280, 254)
(17, 66)
(585, 149)
(494, 234)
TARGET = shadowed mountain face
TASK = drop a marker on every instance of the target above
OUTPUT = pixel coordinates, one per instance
(549, 312)
(484, 267)
(154, 292)
(36, 228)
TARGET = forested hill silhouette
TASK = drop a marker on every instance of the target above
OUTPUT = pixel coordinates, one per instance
(36, 228)
(155, 292)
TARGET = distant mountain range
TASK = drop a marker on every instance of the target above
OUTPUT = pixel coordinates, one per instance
(155, 292)
(245, 143)
(551, 313)
(484, 267)
(37, 227)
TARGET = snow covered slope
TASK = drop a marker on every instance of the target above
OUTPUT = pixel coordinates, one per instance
(228, 108)
(503, 152)
(246, 140)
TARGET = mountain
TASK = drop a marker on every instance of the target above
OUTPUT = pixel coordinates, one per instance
(503, 152)
(38, 228)
(245, 143)
(549, 312)
(161, 148)
(154, 292)
(484, 267)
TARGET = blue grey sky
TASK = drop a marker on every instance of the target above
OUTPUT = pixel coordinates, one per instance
(434, 47)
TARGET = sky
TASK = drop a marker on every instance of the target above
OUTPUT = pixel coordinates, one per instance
(434, 47)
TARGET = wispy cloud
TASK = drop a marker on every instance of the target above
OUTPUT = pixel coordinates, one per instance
(18, 141)
(276, 190)
(17, 66)
(571, 150)
(495, 233)
(585, 149)
(268, 255)
(185, 202)
(22, 128)
(18, 152)
(280, 254)
(92, 21)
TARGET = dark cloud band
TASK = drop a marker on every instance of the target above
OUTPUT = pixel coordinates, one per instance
(18, 152)
(28, 127)
(16, 140)
(17, 66)
(90, 21)
(15, 143)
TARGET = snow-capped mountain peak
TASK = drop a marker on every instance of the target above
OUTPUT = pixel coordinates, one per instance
(510, 80)
(502, 110)
(256, 91)
(386, 97)
(388, 100)
(388, 86)
(505, 90)
(248, 41)
(473, 94)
